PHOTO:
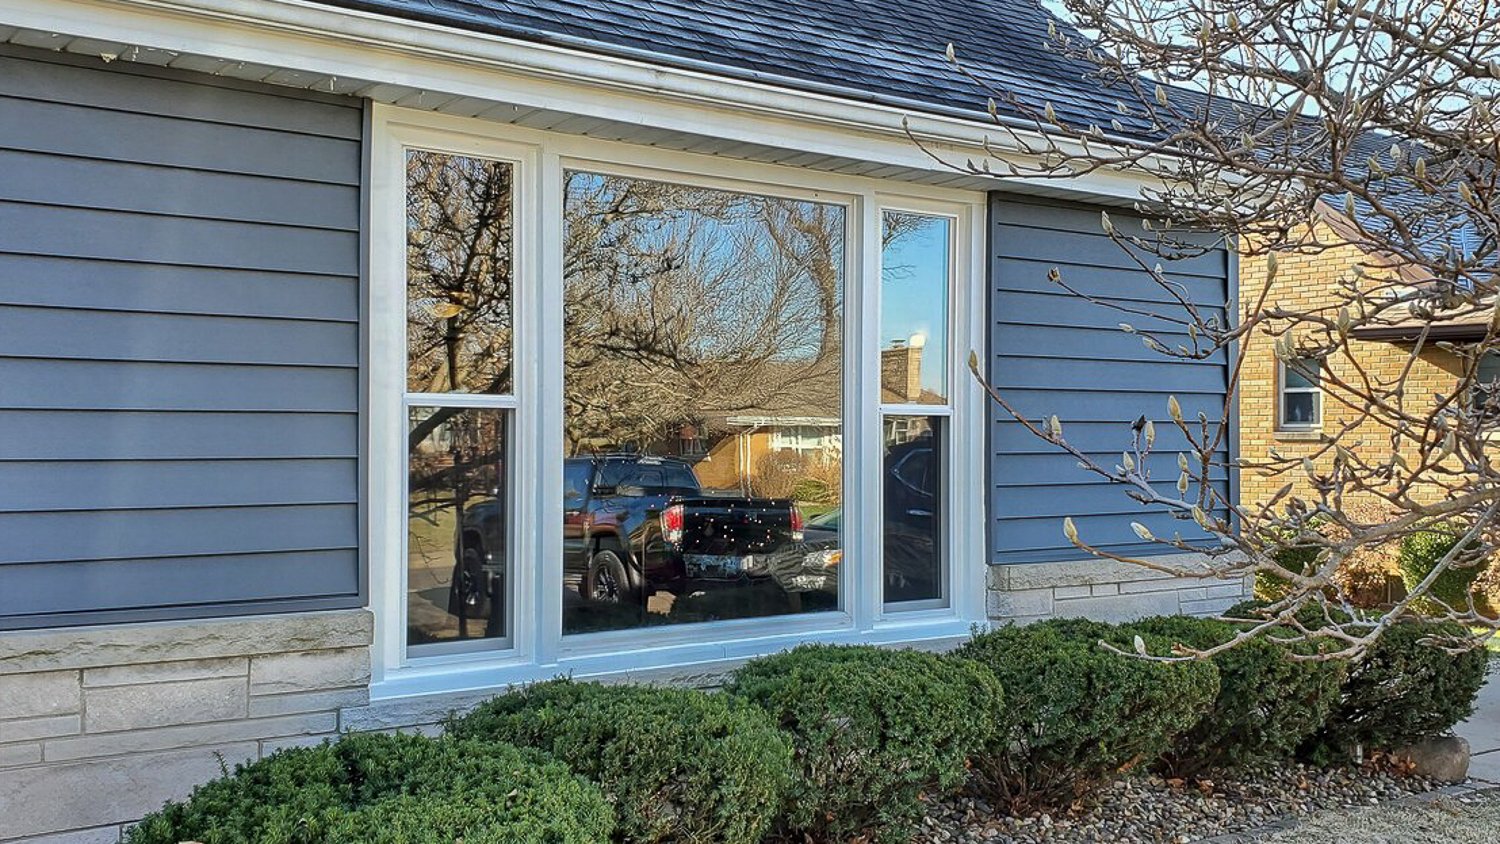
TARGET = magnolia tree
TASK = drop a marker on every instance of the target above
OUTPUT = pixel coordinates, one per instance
(1250, 118)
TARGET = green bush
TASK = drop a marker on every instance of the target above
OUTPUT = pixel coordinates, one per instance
(1420, 554)
(1077, 714)
(1268, 703)
(1302, 559)
(680, 765)
(403, 789)
(874, 729)
(1405, 688)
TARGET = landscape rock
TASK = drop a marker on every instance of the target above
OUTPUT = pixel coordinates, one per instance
(1445, 758)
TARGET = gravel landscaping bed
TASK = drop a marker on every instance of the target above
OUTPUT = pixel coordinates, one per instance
(1150, 810)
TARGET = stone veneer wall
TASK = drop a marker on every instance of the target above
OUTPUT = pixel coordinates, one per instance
(1104, 590)
(101, 725)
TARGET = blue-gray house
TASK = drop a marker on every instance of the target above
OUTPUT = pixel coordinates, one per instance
(359, 358)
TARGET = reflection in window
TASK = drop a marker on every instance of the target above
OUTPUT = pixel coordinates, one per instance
(458, 275)
(1301, 398)
(914, 281)
(1485, 397)
(912, 507)
(703, 403)
(456, 526)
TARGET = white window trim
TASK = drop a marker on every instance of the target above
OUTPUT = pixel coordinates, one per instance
(1281, 393)
(538, 648)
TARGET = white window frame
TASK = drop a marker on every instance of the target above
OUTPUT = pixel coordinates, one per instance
(1282, 390)
(538, 649)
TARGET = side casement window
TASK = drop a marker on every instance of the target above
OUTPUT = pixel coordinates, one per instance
(916, 278)
(460, 254)
(1301, 400)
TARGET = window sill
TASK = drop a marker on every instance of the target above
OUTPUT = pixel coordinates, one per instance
(443, 687)
(1299, 436)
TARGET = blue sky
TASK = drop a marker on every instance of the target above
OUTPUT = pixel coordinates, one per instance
(914, 294)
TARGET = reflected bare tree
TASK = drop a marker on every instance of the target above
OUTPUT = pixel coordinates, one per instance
(684, 304)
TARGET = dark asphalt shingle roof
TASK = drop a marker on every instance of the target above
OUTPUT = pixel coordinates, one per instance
(886, 52)
(882, 51)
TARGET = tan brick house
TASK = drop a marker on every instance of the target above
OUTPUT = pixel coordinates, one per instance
(1286, 408)
(1282, 405)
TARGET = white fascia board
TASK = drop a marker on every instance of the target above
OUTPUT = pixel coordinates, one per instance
(310, 38)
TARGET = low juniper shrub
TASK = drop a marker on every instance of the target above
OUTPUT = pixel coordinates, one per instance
(874, 730)
(1268, 702)
(1077, 714)
(1419, 679)
(402, 789)
(680, 765)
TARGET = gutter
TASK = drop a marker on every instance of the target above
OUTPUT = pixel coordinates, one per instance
(1459, 332)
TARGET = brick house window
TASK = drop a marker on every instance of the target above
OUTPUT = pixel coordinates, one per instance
(1301, 401)
(1485, 395)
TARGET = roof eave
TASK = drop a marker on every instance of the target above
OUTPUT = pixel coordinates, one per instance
(303, 36)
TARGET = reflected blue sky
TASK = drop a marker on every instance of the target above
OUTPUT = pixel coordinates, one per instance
(914, 290)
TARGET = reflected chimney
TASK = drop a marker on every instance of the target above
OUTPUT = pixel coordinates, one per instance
(901, 368)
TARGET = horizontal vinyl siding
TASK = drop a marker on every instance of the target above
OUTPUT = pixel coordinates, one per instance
(179, 345)
(1053, 351)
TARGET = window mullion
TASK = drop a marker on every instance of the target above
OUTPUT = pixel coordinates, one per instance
(864, 474)
(545, 399)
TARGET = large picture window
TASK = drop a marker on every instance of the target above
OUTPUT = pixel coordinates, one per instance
(703, 411)
(633, 409)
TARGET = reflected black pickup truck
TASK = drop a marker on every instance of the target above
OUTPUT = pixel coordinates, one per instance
(633, 524)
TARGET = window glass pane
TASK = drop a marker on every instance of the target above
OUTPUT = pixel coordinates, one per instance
(914, 273)
(912, 487)
(1486, 394)
(456, 562)
(1300, 408)
(1306, 378)
(702, 351)
(458, 273)
(1489, 368)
